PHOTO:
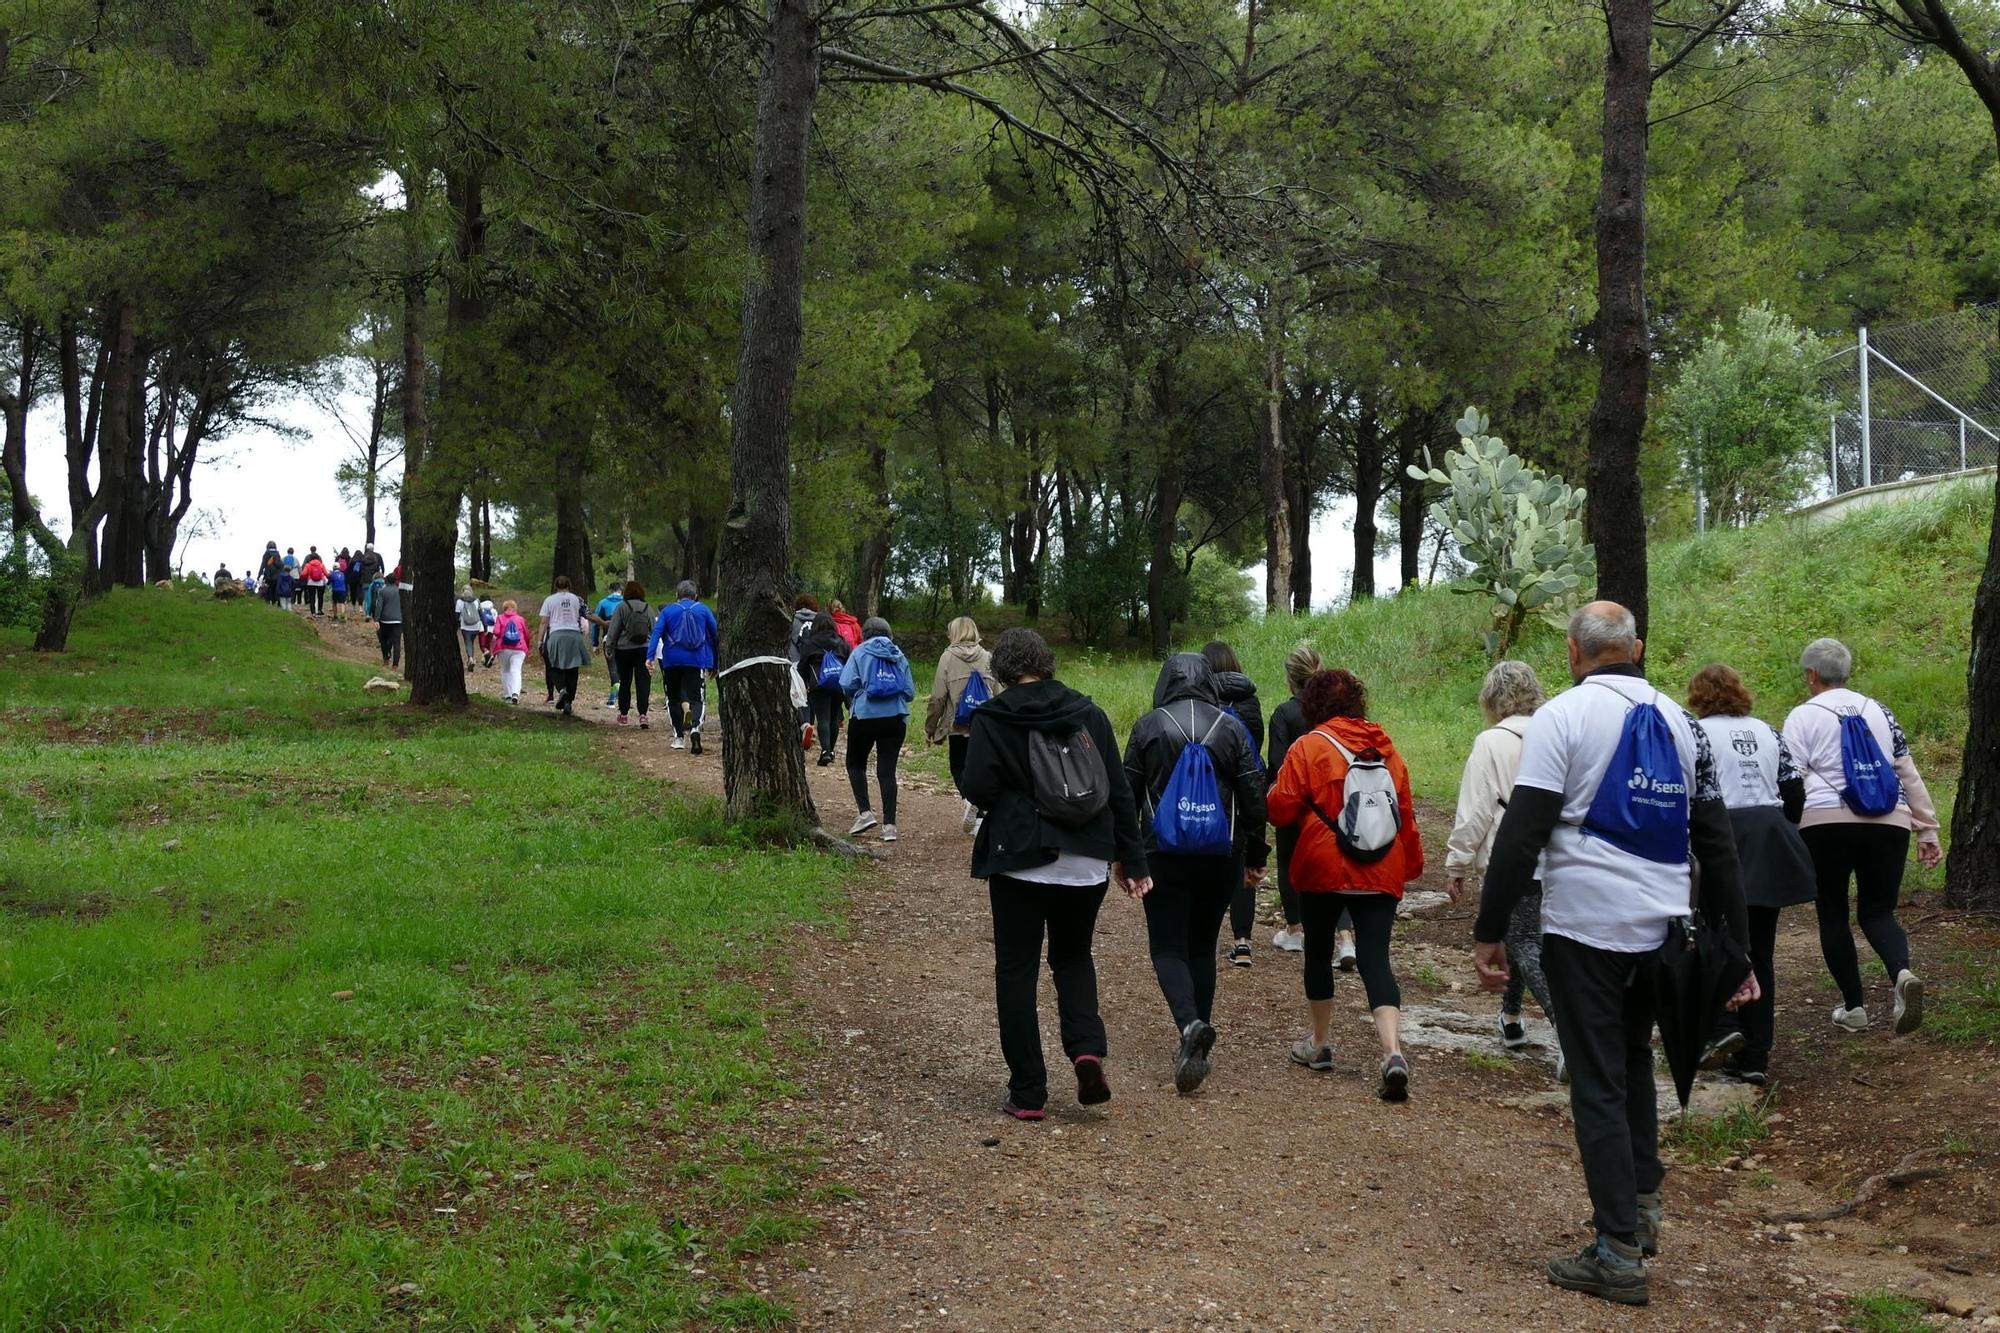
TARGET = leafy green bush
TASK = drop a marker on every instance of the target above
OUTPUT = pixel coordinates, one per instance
(1091, 586)
(23, 581)
(1218, 592)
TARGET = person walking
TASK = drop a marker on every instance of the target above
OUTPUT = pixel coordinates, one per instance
(684, 642)
(336, 584)
(601, 616)
(805, 609)
(268, 570)
(850, 628)
(1863, 799)
(1765, 794)
(511, 632)
(625, 645)
(1048, 857)
(389, 623)
(368, 568)
(1345, 792)
(879, 688)
(821, 657)
(961, 686)
(1200, 788)
(1288, 723)
(313, 575)
(1616, 785)
(470, 625)
(1508, 697)
(1238, 694)
(563, 644)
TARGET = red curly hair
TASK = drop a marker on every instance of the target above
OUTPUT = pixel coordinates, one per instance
(1334, 693)
(1717, 691)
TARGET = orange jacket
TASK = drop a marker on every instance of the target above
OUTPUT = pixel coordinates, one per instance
(1315, 769)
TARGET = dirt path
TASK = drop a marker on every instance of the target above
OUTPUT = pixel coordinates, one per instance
(1279, 1198)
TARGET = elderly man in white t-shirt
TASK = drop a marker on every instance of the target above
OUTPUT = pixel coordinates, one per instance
(1605, 913)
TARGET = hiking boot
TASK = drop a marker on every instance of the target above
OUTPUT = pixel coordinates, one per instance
(862, 823)
(1909, 1003)
(1854, 1020)
(1395, 1079)
(1719, 1050)
(1191, 1064)
(1343, 955)
(1091, 1089)
(694, 742)
(1289, 940)
(1607, 1269)
(1028, 1113)
(1512, 1035)
(1312, 1054)
(1652, 1220)
(1239, 954)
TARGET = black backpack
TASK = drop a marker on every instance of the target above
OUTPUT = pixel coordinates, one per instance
(1067, 776)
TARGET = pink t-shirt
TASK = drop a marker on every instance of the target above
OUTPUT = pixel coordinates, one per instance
(524, 638)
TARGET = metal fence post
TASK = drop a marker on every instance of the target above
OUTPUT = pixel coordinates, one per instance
(1833, 451)
(1867, 461)
(1961, 442)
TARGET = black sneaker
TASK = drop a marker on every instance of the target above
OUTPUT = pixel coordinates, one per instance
(1512, 1034)
(1606, 1269)
(1240, 955)
(1191, 1062)
(1091, 1089)
(1743, 1073)
(1395, 1079)
(694, 742)
(1720, 1048)
(826, 760)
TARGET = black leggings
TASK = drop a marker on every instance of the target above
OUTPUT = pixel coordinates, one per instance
(1873, 856)
(1754, 1020)
(884, 735)
(390, 636)
(632, 670)
(955, 748)
(1374, 916)
(683, 686)
(316, 598)
(827, 703)
(1184, 912)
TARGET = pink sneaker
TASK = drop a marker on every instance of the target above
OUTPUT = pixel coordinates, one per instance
(621, 719)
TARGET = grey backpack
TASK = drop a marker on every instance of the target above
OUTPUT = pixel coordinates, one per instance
(1066, 772)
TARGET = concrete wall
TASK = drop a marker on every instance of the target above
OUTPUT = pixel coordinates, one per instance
(1891, 491)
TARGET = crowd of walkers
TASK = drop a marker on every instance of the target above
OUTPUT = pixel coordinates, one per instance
(358, 581)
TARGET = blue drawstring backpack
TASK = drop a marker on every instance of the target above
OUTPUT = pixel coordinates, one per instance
(828, 675)
(1641, 806)
(689, 635)
(974, 694)
(1870, 785)
(1190, 819)
(885, 678)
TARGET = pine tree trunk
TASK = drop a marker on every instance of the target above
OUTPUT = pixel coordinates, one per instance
(572, 545)
(120, 445)
(1410, 500)
(871, 553)
(1616, 517)
(1271, 457)
(763, 766)
(1368, 463)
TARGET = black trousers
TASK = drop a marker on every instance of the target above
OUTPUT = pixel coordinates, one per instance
(390, 636)
(1872, 856)
(1604, 1018)
(1023, 914)
(1183, 918)
(828, 706)
(1756, 1020)
(884, 735)
(1373, 920)
(683, 685)
(316, 598)
(955, 747)
(1288, 897)
(633, 671)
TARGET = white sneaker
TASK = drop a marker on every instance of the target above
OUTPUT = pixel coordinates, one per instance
(676, 744)
(1344, 958)
(1909, 1002)
(970, 821)
(1562, 1070)
(862, 823)
(1288, 941)
(888, 833)
(1854, 1020)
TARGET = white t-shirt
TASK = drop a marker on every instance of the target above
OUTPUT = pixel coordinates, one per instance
(1069, 869)
(1593, 892)
(1813, 733)
(1750, 760)
(563, 610)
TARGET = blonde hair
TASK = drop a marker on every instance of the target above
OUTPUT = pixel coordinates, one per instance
(509, 605)
(962, 630)
(1300, 665)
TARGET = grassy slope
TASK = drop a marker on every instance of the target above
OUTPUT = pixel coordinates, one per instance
(537, 1101)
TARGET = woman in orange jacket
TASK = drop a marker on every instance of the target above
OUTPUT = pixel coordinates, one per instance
(1345, 791)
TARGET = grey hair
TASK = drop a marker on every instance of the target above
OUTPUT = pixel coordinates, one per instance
(1599, 632)
(874, 628)
(1828, 659)
(686, 591)
(1022, 652)
(1511, 689)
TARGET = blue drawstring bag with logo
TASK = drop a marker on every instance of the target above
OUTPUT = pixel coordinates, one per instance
(1870, 785)
(1190, 819)
(828, 675)
(974, 694)
(1641, 806)
(884, 677)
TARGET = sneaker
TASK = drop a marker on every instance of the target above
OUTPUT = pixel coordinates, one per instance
(1512, 1035)
(611, 702)
(1854, 1020)
(826, 759)
(676, 743)
(1909, 1003)
(1239, 954)
(970, 819)
(1607, 1269)
(888, 833)
(1343, 957)
(644, 725)
(694, 742)
(1562, 1070)
(1312, 1055)
(1191, 1064)
(1028, 1113)
(1091, 1089)
(1720, 1050)
(1395, 1078)
(1289, 940)
(862, 823)
(1652, 1220)
(622, 719)
(1756, 1077)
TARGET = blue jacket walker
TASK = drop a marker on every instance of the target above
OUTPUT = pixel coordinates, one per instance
(661, 645)
(854, 680)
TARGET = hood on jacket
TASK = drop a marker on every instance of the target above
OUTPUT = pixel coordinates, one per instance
(881, 646)
(826, 641)
(1234, 687)
(1359, 734)
(1185, 676)
(843, 618)
(803, 618)
(1040, 705)
(965, 652)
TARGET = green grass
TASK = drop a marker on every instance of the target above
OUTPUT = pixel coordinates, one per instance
(315, 1012)
(1967, 1013)
(1886, 1312)
(1710, 1140)
(1487, 1060)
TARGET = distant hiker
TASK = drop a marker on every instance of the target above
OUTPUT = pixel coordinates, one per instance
(313, 575)
(470, 625)
(1616, 784)
(1508, 697)
(804, 608)
(821, 657)
(1766, 794)
(1061, 822)
(1238, 694)
(1863, 797)
(288, 587)
(389, 622)
(849, 627)
(962, 685)
(268, 571)
(336, 584)
(561, 625)
(684, 642)
(600, 637)
(1288, 723)
(879, 688)
(1200, 789)
(222, 576)
(625, 645)
(291, 560)
(511, 632)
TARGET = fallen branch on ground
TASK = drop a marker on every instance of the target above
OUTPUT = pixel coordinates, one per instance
(1906, 1172)
(826, 842)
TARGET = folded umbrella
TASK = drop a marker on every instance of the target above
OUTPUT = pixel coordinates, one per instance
(1696, 972)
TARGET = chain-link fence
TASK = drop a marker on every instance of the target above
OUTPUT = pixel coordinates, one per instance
(1915, 400)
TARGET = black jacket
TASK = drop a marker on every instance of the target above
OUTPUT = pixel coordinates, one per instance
(1185, 707)
(1288, 723)
(1015, 836)
(813, 648)
(1238, 691)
